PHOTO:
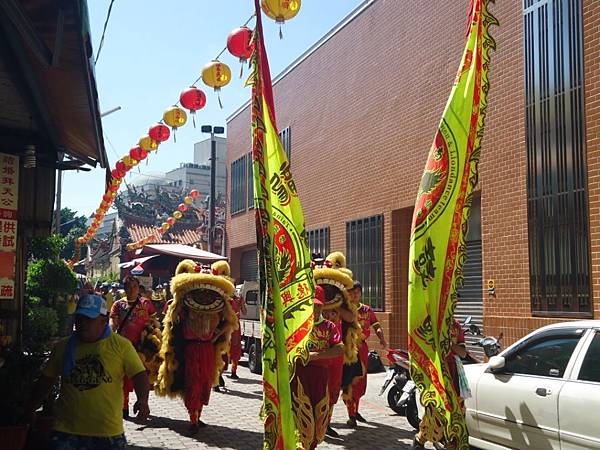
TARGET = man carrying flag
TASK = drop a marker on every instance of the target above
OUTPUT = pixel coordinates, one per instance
(286, 280)
(437, 246)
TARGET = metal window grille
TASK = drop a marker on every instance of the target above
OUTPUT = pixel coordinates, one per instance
(556, 184)
(238, 185)
(250, 177)
(286, 142)
(318, 241)
(364, 255)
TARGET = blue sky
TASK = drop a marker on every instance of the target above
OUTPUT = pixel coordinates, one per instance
(154, 49)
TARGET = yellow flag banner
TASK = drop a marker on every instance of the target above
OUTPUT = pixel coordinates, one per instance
(286, 279)
(439, 227)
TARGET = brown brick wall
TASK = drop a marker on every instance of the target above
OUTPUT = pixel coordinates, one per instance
(363, 110)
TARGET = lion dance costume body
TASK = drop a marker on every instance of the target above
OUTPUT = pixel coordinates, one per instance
(336, 279)
(197, 332)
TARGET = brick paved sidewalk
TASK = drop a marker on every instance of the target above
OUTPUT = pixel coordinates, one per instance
(233, 422)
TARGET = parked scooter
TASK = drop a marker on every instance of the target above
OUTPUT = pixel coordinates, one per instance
(399, 374)
(407, 403)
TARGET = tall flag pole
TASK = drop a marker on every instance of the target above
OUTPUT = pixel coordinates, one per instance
(286, 279)
(439, 229)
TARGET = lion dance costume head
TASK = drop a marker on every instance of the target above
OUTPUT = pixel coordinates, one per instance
(336, 280)
(202, 304)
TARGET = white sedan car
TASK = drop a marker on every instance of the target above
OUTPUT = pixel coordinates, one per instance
(541, 393)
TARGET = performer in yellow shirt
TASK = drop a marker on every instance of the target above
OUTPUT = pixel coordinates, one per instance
(91, 365)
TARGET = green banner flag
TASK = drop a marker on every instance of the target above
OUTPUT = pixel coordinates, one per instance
(439, 229)
(286, 279)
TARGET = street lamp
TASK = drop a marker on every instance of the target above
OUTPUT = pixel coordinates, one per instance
(213, 180)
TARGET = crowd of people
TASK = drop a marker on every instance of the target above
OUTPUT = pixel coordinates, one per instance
(192, 337)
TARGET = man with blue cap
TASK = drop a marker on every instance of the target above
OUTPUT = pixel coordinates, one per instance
(91, 364)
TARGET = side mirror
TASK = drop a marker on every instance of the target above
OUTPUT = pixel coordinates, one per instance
(496, 363)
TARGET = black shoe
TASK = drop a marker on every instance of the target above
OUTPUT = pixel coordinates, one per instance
(416, 445)
(217, 389)
(360, 418)
(351, 422)
(332, 433)
(234, 376)
(126, 414)
(221, 381)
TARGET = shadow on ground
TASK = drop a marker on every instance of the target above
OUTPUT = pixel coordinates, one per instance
(213, 435)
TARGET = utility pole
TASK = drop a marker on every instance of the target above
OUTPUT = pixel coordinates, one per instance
(58, 198)
(213, 182)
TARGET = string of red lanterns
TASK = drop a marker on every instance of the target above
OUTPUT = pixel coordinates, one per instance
(215, 74)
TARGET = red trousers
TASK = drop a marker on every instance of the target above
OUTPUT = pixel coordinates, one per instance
(358, 387)
(310, 399)
(235, 351)
(199, 373)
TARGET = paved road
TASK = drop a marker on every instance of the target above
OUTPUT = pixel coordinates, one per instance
(234, 424)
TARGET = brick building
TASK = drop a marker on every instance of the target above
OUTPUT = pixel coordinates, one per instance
(359, 111)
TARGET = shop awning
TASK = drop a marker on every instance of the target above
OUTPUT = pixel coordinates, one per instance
(47, 84)
(136, 261)
(181, 251)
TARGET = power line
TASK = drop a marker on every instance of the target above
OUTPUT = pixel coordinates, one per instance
(104, 31)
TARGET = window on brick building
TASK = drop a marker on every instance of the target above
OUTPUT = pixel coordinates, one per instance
(364, 256)
(286, 141)
(318, 241)
(250, 177)
(238, 185)
(559, 260)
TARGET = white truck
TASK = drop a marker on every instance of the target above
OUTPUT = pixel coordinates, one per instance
(250, 325)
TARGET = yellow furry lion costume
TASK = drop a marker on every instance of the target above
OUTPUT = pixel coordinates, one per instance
(336, 280)
(196, 335)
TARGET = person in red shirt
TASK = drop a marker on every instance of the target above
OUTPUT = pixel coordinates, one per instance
(129, 317)
(358, 384)
(310, 398)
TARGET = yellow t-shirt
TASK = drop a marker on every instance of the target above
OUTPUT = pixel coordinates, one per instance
(91, 398)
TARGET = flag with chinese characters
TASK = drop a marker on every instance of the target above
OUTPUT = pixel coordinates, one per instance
(439, 229)
(286, 280)
(9, 197)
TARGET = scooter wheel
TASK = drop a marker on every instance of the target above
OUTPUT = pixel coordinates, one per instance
(393, 398)
(412, 413)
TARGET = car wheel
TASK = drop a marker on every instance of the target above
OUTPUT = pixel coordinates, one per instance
(412, 413)
(254, 358)
(393, 397)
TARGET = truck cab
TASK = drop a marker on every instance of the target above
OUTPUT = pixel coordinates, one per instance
(250, 324)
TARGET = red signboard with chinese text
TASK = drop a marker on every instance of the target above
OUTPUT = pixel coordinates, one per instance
(9, 197)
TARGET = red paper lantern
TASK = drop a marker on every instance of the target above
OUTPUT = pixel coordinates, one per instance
(170, 221)
(117, 174)
(182, 207)
(193, 99)
(159, 132)
(121, 166)
(240, 43)
(194, 193)
(113, 188)
(107, 198)
(138, 153)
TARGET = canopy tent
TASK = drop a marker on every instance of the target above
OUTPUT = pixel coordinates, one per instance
(160, 260)
(181, 251)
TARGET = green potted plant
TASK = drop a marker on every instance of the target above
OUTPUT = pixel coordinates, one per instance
(18, 372)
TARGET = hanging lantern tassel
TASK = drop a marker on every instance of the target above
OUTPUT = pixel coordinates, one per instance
(280, 31)
(218, 91)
